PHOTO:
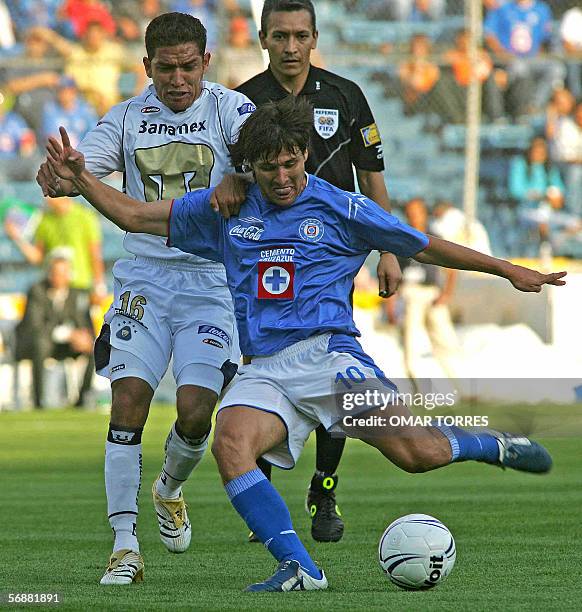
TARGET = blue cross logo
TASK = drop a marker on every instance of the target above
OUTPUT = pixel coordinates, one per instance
(276, 280)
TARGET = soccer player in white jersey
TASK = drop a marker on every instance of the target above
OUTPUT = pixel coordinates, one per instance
(174, 137)
(290, 277)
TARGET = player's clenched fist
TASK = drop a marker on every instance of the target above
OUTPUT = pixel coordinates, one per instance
(64, 161)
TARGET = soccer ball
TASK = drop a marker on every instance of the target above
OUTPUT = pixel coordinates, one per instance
(417, 552)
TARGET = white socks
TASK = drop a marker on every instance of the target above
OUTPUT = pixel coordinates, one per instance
(122, 483)
(123, 462)
(182, 456)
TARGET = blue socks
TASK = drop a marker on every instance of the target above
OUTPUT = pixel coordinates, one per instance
(465, 445)
(265, 513)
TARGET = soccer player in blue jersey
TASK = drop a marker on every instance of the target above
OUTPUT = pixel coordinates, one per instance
(290, 257)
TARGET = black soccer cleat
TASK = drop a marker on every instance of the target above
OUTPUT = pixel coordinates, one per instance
(326, 522)
(522, 454)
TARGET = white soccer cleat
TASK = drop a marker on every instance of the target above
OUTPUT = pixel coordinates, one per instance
(175, 528)
(125, 566)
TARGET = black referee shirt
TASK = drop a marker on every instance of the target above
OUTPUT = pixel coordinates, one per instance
(344, 129)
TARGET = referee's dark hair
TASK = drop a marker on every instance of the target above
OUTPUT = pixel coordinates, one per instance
(274, 6)
(171, 29)
(273, 128)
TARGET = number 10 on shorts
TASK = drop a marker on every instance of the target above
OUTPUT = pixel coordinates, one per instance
(351, 375)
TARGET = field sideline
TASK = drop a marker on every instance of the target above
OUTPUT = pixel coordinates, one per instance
(518, 536)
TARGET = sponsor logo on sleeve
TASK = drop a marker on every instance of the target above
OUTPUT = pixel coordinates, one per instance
(150, 109)
(275, 280)
(370, 135)
(326, 121)
(311, 230)
(246, 108)
(214, 331)
(121, 366)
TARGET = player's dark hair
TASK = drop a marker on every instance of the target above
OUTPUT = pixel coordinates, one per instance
(274, 6)
(171, 29)
(273, 128)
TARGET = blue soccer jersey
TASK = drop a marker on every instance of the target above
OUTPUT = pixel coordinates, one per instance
(290, 269)
(521, 30)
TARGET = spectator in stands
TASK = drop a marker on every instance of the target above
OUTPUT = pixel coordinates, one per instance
(56, 324)
(460, 62)
(405, 10)
(28, 14)
(571, 37)
(536, 183)
(516, 32)
(418, 10)
(133, 16)
(423, 89)
(559, 108)
(564, 132)
(80, 13)
(425, 296)
(68, 110)
(66, 224)
(491, 5)
(242, 59)
(203, 10)
(17, 140)
(450, 223)
(96, 65)
(31, 77)
(7, 39)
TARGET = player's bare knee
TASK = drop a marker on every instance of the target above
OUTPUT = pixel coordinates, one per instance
(130, 402)
(195, 407)
(233, 451)
(195, 423)
(228, 448)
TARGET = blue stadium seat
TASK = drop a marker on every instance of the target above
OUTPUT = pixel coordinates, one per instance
(405, 188)
(18, 279)
(454, 136)
(362, 32)
(506, 136)
(26, 191)
(448, 165)
(9, 253)
(492, 168)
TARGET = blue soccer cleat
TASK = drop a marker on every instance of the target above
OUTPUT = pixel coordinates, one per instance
(290, 576)
(521, 453)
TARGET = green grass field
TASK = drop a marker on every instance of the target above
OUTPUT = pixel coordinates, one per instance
(518, 536)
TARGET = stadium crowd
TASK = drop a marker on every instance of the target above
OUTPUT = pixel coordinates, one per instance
(66, 62)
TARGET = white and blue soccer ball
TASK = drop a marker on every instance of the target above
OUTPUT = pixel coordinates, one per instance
(417, 552)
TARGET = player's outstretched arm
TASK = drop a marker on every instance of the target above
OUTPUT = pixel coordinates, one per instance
(68, 164)
(450, 255)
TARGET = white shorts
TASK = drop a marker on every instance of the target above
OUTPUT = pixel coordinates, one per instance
(163, 308)
(303, 384)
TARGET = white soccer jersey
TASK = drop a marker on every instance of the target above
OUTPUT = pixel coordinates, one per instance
(164, 154)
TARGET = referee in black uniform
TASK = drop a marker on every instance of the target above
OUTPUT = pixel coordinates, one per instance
(345, 135)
